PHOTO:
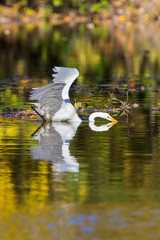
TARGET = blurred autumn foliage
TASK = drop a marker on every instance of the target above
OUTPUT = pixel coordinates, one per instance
(124, 11)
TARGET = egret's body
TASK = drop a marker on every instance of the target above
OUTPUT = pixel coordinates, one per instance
(53, 100)
(54, 103)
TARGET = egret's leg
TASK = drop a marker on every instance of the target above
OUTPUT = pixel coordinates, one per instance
(43, 118)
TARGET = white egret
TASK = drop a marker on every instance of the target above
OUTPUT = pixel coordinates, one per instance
(53, 100)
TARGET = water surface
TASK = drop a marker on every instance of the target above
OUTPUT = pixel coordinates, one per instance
(68, 181)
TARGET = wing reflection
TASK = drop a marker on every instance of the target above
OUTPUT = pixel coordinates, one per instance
(54, 140)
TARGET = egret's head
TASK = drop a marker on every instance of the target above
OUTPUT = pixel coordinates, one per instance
(109, 117)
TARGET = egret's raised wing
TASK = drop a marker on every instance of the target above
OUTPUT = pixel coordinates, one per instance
(49, 97)
(64, 74)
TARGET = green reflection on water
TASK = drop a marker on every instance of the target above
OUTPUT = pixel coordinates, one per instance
(113, 166)
(97, 53)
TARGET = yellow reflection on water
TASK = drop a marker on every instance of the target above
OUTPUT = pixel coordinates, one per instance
(20, 177)
(7, 196)
(39, 186)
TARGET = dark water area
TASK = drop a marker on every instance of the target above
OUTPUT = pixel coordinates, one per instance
(79, 181)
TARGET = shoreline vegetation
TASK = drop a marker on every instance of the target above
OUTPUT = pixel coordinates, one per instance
(73, 12)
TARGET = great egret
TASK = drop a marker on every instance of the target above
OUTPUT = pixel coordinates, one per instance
(54, 103)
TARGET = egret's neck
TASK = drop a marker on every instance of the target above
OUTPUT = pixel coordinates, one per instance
(94, 115)
(65, 92)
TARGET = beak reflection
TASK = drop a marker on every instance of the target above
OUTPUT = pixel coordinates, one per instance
(112, 123)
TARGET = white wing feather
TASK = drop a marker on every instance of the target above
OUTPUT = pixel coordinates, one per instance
(64, 74)
(50, 96)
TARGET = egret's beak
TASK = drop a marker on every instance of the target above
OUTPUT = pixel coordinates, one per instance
(113, 120)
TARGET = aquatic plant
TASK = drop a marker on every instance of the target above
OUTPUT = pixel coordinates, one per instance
(109, 103)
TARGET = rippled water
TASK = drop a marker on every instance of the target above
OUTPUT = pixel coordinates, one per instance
(68, 181)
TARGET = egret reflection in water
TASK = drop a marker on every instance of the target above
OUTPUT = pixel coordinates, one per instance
(54, 140)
